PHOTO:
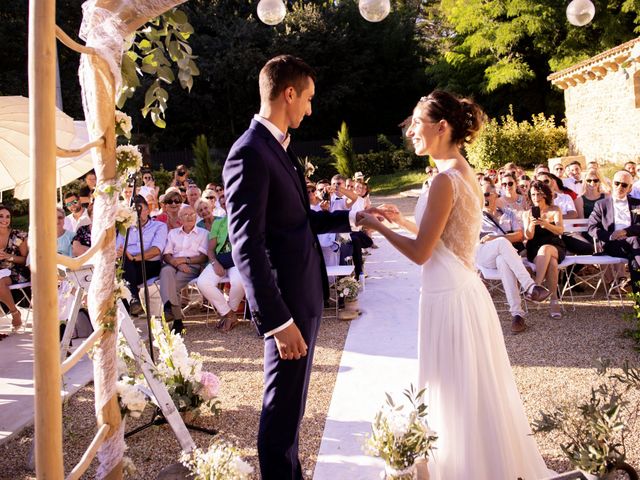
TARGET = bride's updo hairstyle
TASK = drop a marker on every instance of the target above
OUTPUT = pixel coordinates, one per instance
(464, 115)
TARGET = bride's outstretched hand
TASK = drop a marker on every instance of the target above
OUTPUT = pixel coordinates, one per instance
(391, 213)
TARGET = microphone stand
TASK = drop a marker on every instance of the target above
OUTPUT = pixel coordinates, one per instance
(132, 182)
(158, 417)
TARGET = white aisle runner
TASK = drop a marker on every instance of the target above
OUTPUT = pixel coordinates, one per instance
(380, 355)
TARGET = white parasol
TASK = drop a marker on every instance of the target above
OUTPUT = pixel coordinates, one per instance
(14, 139)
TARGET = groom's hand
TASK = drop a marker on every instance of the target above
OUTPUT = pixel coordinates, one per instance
(291, 345)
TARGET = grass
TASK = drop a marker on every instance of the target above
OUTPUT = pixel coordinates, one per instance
(393, 183)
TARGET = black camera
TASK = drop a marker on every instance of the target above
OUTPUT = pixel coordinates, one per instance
(326, 196)
(181, 173)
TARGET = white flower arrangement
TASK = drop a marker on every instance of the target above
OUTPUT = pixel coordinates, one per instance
(109, 188)
(128, 158)
(190, 388)
(348, 288)
(119, 289)
(221, 461)
(132, 400)
(401, 436)
(126, 216)
(123, 124)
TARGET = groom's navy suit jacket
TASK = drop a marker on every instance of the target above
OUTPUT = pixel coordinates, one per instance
(273, 231)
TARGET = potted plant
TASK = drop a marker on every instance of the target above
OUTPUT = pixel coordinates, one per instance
(348, 289)
(594, 431)
(401, 436)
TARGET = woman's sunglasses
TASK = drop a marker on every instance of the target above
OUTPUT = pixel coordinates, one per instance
(507, 184)
(592, 180)
(210, 198)
(174, 202)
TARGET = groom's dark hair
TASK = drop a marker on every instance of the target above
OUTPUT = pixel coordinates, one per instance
(281, 72)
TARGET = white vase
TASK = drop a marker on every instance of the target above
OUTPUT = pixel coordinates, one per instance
(409, 473)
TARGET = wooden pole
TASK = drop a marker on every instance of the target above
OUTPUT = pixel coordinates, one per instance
(42, 233)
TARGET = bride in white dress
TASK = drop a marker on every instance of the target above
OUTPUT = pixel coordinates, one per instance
(474, 405)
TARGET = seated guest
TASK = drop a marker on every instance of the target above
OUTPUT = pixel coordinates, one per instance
(171, 202)
(510, 198)
(205, 213)
(361, 188)
(615, 223)
(154, 238)
(221, 265)
(575, 242)
(65, 237)
(560, 199)
(523, 185)
(91, 181)
(181, 177)
(558, 170)
(496, 250)
(184, 255)
(574, 178)
(540, 168)
(127, 194)
(85, 196)
(78, 216)
(545, 248)
(631, 167)
(193, 194)
(82, 240)
(13, 259)
(594, 190)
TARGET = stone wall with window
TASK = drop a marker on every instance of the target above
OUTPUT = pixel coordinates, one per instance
(602, 102)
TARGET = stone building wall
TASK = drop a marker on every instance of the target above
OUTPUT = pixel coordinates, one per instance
(602, 102)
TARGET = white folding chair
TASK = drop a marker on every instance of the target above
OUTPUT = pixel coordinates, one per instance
(493, 281)
(334, 273)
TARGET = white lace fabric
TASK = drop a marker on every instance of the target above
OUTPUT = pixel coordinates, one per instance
(462, 230)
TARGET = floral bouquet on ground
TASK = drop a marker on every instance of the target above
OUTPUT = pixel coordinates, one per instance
(190, 388)
(401, 435)
(348, 288)
(220, 462)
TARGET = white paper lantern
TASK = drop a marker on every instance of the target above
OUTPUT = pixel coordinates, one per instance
(374, 10)
(271, 12)
(580, 12)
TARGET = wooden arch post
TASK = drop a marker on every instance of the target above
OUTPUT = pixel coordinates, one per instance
(42, 234)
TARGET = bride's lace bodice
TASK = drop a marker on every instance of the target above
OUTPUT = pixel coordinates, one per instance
(462, 230)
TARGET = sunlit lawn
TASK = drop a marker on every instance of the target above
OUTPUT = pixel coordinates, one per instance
(396, 182)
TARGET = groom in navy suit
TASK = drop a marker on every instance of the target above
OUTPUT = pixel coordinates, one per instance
(273, 233)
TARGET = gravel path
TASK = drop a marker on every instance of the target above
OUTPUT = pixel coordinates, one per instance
(552, 361)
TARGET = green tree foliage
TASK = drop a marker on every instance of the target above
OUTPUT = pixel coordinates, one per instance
(164, 36)
(342, 152)
(503, 50)
(524, 143)
(204, 170)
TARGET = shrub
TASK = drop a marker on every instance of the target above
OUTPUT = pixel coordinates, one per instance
(524, 143)
(342, 152)
(205, 169)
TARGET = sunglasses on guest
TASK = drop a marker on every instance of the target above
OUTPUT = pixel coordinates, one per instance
(507, 184)
(210, 198)
(621, 184)
(219, 189)
(72, 202)
(592, 180)
(174, 202)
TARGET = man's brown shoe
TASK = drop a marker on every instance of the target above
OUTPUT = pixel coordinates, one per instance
(537, 294)
(517, 324)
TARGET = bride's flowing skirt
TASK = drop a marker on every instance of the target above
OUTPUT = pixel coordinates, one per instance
(474, 405)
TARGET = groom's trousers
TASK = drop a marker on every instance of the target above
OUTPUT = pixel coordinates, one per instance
(285, 393)
(501, 254)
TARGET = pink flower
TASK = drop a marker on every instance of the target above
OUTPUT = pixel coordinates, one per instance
(210, 385)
